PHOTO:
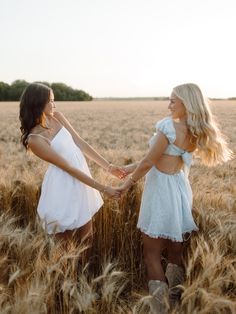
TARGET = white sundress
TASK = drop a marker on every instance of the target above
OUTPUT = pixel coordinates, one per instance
(66, 203)
(166, 206)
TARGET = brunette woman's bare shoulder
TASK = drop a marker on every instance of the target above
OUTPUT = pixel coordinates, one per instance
(33, 140)
(36, 130)
(37, 136)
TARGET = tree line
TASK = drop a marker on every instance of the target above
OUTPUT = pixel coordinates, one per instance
(62, 92)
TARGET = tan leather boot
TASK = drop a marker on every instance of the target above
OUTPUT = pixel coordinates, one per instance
(159, 290)
(175, 276)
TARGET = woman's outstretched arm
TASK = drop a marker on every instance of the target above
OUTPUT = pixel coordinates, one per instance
(155, 152)
(131, 167)
(44, 151)
(88, 150)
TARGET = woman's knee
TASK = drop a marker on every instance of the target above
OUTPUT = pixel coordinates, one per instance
(151, 255)
(152, 249)
(175, 250)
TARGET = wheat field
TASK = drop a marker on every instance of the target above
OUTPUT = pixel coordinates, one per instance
(37, 275)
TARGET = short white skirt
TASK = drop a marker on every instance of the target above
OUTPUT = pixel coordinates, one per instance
(166, 207)
(65, 202)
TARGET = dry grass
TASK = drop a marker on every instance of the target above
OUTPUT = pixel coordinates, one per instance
(37, 276)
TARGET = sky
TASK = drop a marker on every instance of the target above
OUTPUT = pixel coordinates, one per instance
(121, 48)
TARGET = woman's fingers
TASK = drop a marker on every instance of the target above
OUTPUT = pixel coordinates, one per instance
(121, 190)
(119, 172)
(113, 193)
(116, 193)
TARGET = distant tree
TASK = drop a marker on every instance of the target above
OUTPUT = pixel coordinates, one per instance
(16, 89)
(45, 83)
(4, 90)
(81, 95)
(62, 92)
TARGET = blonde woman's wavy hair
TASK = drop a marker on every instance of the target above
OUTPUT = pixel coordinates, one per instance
(211, 145)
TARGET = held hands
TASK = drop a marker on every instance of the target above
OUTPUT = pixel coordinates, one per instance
(122, 189)
(112, 193)
(125, 186)
(129, 168)
(121, 172)
(118, 172)
(116, 193)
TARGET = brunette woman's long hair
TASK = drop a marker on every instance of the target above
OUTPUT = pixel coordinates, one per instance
(32, 103)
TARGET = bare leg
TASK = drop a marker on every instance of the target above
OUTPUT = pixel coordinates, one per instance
(152, 249)
(85, 233)
(81, 236)
(175, 252)
(157, 283)
(63, 237)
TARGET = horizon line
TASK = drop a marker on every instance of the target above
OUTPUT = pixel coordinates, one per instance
(154, 97)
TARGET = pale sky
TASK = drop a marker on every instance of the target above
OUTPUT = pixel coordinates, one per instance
(121, 48)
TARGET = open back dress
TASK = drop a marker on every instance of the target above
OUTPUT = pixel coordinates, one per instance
(166, 206)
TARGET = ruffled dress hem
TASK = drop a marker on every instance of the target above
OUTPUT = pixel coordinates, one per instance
(167, 236)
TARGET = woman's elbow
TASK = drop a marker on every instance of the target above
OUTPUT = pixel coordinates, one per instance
(66, 167)
(146, 164)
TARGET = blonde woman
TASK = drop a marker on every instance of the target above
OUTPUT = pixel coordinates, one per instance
(70, 196)
(165, 214)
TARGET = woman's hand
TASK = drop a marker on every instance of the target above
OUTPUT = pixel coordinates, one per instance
(112, 193)
(118, 172)
(129, 168)
(123, 188)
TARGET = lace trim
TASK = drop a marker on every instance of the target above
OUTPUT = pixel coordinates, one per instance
(168, 237)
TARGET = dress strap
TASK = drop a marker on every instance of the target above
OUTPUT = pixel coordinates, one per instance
(31, 134)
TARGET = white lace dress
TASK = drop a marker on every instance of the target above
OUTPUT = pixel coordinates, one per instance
(65, 202)
(166, 206)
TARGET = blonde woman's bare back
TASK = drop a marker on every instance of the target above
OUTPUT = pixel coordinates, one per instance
(172, 164)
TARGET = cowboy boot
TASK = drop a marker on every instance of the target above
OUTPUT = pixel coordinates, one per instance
(159, 291)
(175, 276)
